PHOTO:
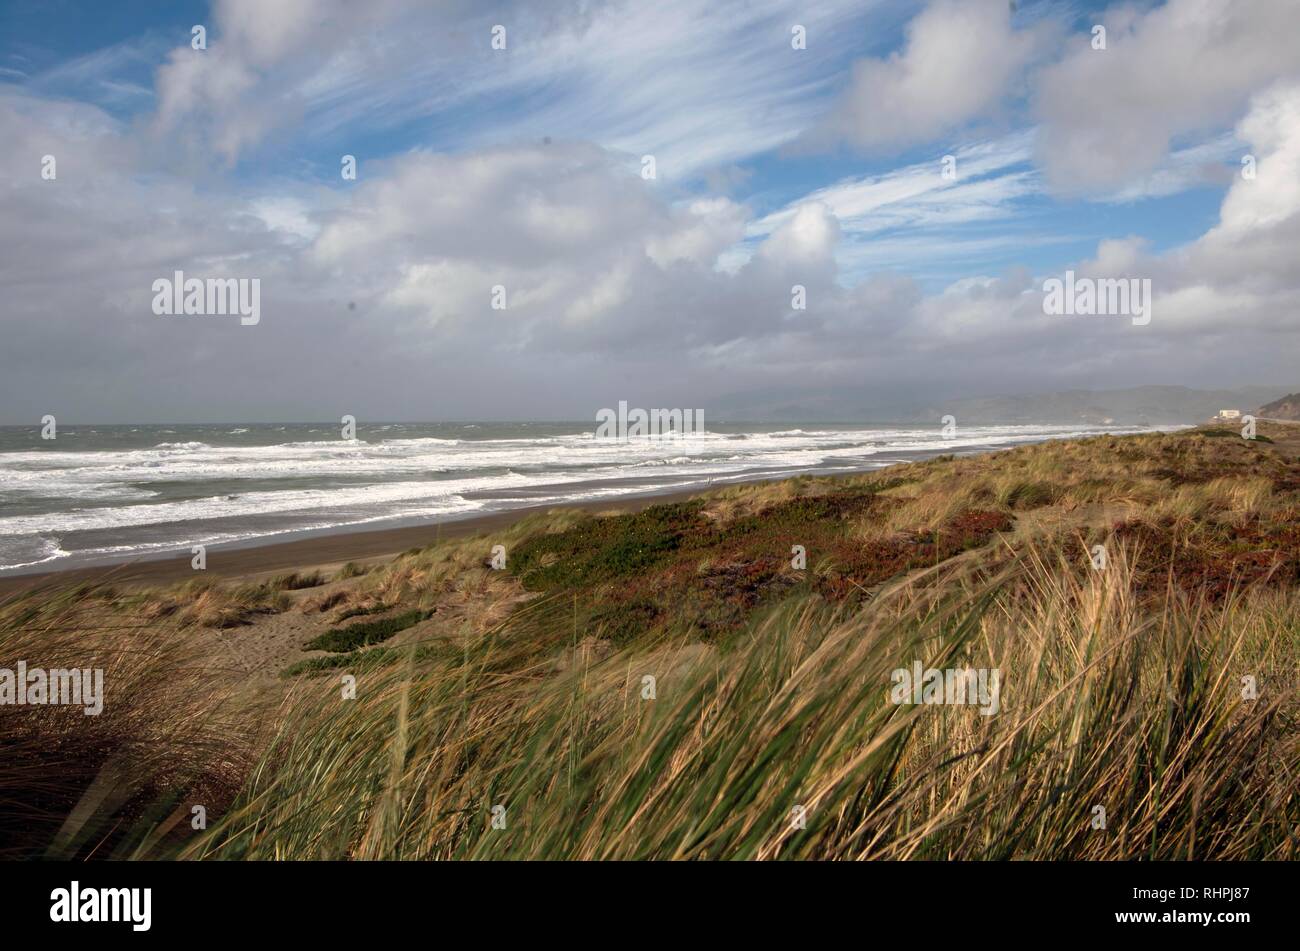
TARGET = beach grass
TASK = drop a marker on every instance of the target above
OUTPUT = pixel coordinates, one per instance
(676, 683)
(1104, 705)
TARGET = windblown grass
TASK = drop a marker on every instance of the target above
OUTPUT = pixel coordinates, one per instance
(171, 734)
(667, 684)
(1104, 704)
(295, 581)
(211, 603)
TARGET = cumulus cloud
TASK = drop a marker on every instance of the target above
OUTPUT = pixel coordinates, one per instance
(1186, 66)
(378, 300)
(377, 294)
(1241, 275)
(1224, 303)
(807, 237)
(370, 293)
(960, 58)
(588, 253)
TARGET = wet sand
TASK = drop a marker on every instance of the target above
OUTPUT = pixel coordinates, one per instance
(324, 550)
(332, 548)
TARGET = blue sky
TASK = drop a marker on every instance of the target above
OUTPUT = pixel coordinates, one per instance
(769, 159)
(112, 65)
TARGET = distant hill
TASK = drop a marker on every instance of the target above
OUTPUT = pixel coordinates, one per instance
(1150, 405)
(1288, 407)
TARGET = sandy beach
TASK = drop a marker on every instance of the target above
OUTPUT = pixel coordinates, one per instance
(131, 502)
(323, 550)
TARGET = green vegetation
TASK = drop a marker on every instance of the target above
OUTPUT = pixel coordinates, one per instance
(1105, 703)
(1220, 433)
(673, 569)
(1122, 685)
(361, 610)
(351, 570)
(341, 639)
(296, 581)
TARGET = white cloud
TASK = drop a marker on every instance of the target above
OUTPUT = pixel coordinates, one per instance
(698, 85)
(376, 295)
(916, 216)
(806, 237)
(1204, 164)
(707, 229)
(961, 57)
(1183, 67)
(1272, 196)
(919, 194)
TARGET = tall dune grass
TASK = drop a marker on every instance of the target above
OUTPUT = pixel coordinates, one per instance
(172, 733)
(1105, 703)
(749, 718)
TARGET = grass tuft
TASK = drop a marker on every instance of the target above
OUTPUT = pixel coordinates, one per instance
(363, 633)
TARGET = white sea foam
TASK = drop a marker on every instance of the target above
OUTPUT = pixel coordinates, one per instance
(176, 493)
(30, 551)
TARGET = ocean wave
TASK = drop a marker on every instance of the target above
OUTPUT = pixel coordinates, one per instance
(318, 443)
(350, 499)
(46, 550)
(422, 441)
(255, 491)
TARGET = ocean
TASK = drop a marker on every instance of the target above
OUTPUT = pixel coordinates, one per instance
(98, 494)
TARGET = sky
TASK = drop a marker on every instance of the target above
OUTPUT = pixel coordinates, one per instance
(643, 185)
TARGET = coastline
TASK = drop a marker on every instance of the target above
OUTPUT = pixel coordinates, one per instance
(712, 621)
(327, 549)
(331, 548)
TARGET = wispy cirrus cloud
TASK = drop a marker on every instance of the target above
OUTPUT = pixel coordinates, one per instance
(918, 213)
(1207, 163)
(697, 85)
(377, 291)
(987, 176)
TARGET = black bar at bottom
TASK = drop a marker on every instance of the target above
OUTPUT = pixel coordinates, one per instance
(335, 900)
